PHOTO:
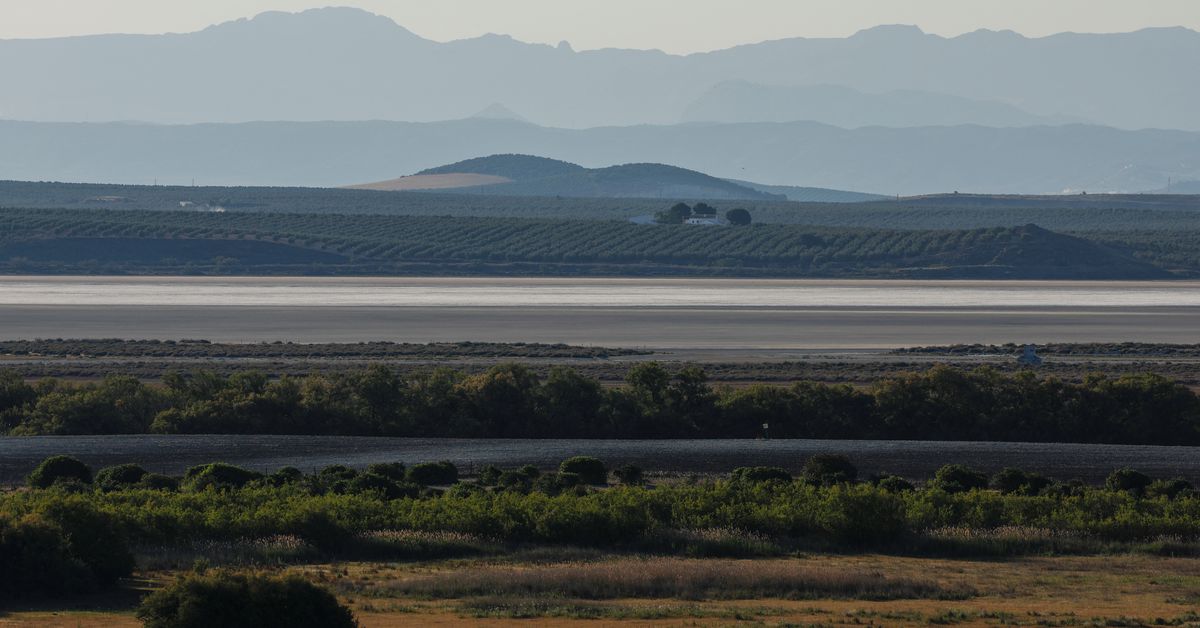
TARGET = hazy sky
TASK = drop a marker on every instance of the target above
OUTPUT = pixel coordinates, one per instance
(672, 25)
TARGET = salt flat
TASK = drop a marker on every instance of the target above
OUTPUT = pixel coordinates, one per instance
(656, 313)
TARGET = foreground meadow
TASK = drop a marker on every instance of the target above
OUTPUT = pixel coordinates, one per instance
(580, 587)
(397, 545)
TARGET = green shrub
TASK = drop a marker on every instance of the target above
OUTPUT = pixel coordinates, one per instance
(321, 529)
(464, 489)
(218, 475)
(390, 470)
(530, 471)
(383, 486)
(1010, 481)
(119, 477)
(630, 475)
(1128, 480)
(433, 473)
(36, 558)
(829, 469)
(894, 484)
(489, 475)
(1072, 488)
(59, 469)
(760, 474)
(285, 476)
(158, 482)
(555, 483)
(957, 478)
(231, 600)
(513, 481)
(95, 537)
(336, 472)
(1170, 489)
(861, 515)
(590, 470)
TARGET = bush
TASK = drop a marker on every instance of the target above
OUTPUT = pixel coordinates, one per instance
(761, 474)
(1169, 488)
(333, 473)
(861, 515)
(158, 482)
(1128, 480)
(433, 473)
(239, 600)
(894, 484)
(513, 480)
(36, 558)
(630, 475)
(489, 475)
(384, 487)
(119, 477)
(285, 476)
(530, 471)
(556, 483)
(1072, 488)
(59, 469)
(829, 469)
(957, 478)
(1015, 481)
(390, 470)
(218, 475)
(590, 470)
(94, 537)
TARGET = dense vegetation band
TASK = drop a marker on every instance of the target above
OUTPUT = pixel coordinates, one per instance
(513, 401)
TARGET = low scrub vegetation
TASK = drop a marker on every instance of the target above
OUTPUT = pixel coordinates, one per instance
(677, 579)
(514, 401)
(234, 600)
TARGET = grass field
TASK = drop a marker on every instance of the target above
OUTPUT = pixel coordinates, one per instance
(546, 589)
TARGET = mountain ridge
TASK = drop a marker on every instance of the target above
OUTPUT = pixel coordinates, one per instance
(339, 64)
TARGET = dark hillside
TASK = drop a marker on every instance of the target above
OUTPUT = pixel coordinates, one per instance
(515, 167)
(632, 181)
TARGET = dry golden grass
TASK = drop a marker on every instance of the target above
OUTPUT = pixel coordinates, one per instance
(1122, 590)
(1060, 591)
(671, 578)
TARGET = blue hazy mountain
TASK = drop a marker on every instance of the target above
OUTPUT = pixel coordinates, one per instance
(347, 64)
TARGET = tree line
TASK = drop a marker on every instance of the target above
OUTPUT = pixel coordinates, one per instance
(512, 401)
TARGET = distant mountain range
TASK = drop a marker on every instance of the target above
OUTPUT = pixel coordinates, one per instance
(739, 101)
(905, 161)
(347, 64)
(527, 175)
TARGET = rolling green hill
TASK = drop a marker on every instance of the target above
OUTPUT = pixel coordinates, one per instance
(514, 167)
(526, 175)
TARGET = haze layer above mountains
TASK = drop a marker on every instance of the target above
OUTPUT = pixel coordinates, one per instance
(342, 96)
(347, 64)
